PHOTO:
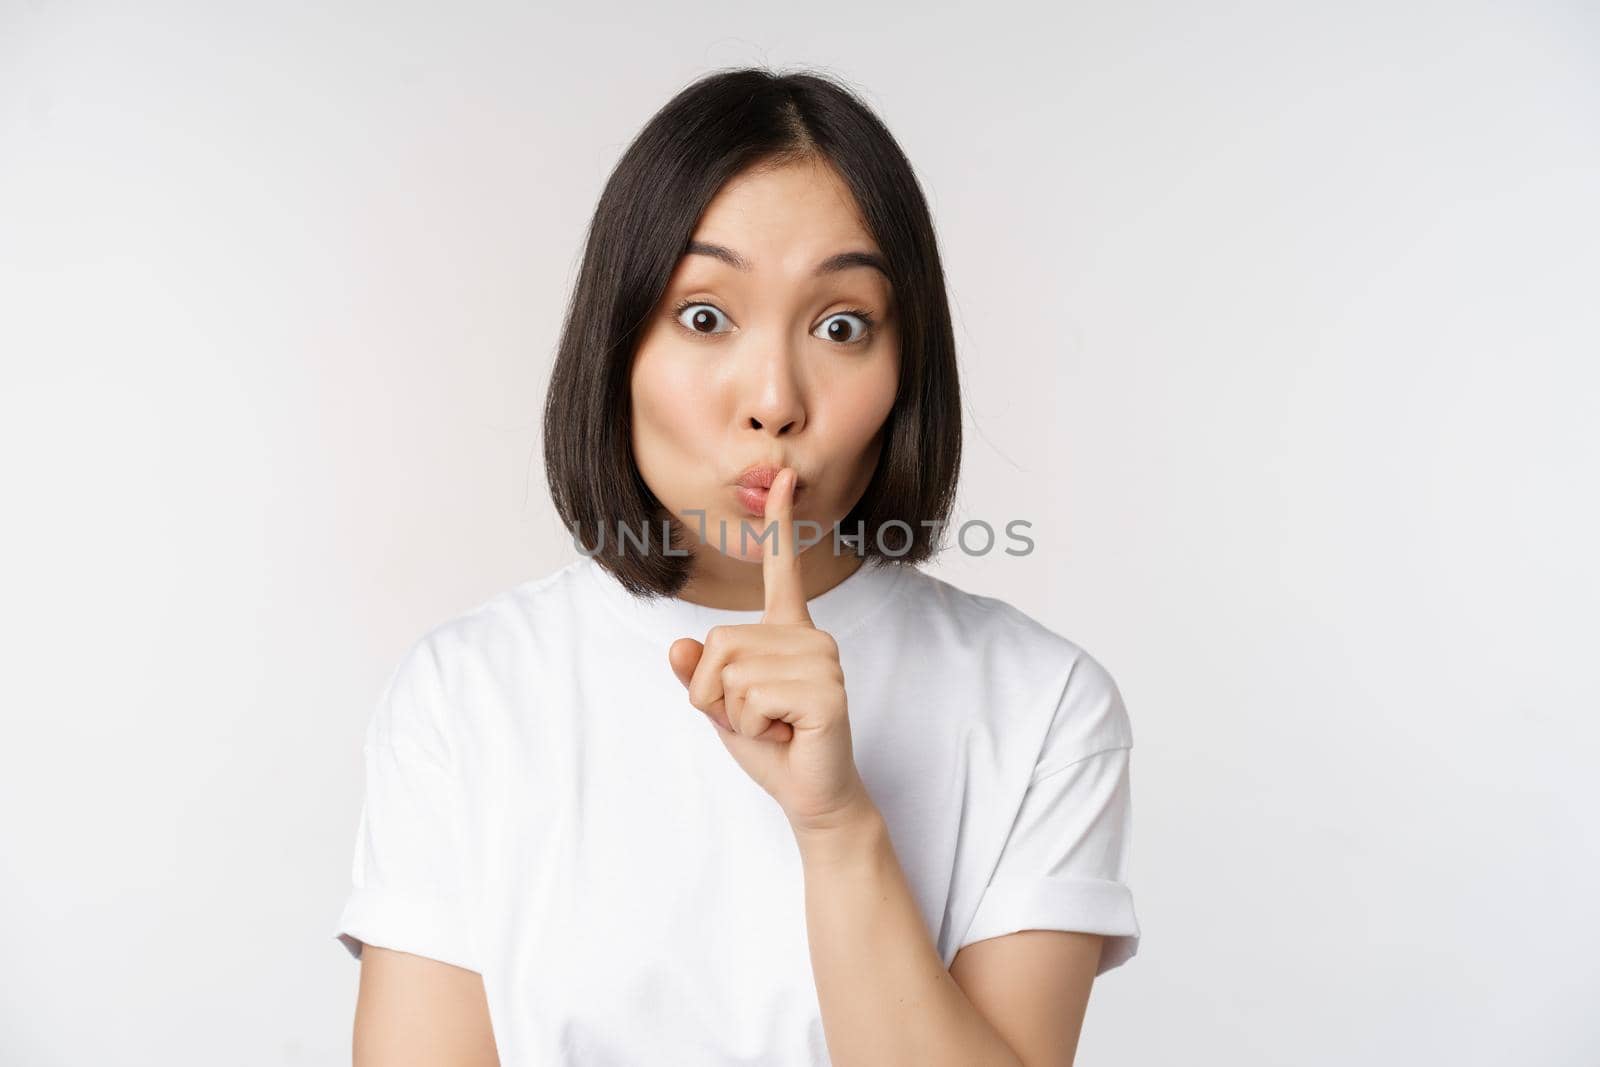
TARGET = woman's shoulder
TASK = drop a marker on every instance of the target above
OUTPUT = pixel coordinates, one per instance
(983, 621)
(449, 681)
(989, 633)
(504, 626)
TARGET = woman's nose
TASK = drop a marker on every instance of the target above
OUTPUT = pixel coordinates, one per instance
(773, 400)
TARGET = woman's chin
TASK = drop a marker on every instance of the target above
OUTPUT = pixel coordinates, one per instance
(744, 537)
(739, 537)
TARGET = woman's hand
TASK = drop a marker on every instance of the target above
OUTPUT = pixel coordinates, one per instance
(775, 690)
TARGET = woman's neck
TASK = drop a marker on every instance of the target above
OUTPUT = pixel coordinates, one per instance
(721, 581)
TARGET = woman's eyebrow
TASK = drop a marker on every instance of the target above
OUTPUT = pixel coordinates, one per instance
(832, 265)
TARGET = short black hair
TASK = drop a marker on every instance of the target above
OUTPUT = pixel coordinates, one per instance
(711, 131)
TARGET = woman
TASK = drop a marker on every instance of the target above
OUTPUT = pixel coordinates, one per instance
(742, 784)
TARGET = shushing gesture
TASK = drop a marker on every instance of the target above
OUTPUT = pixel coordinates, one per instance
(775, 689)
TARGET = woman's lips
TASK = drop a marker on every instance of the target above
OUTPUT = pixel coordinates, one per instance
(753, 484)
(754, 500)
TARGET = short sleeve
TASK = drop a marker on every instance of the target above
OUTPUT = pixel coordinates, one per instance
(407, 889)
(1064, 864)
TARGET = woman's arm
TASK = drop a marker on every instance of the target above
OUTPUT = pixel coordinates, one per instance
(412, 1011)
(886, 998)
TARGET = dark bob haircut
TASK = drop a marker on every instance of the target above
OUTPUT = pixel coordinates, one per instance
(710, 132)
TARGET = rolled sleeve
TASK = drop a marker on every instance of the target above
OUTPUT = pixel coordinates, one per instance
(1064, 866)
(406, 871)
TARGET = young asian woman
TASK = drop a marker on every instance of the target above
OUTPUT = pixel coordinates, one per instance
(744, 784)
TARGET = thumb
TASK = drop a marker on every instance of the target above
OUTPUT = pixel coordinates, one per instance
(684, 656)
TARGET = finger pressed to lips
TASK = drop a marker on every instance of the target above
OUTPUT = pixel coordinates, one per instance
(780, 566)
(736, 658)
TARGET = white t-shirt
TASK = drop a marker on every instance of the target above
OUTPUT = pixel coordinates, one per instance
(545, 807)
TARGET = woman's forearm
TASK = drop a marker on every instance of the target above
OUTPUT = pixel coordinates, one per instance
(885, 995)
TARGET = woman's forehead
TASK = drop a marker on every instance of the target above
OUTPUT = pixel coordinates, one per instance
(801, 207)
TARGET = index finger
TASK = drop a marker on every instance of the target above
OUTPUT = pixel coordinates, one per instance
(780, 567)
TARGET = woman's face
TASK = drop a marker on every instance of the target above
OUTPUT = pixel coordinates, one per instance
(767, 359)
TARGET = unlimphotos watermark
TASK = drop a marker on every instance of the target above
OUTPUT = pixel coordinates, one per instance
(975, 537)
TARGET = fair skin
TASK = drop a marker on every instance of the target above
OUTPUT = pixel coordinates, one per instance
(766, 365)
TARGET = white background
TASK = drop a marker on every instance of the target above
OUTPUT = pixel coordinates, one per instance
(1277, 321)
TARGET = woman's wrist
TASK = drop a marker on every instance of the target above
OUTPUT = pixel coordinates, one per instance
(849, 831)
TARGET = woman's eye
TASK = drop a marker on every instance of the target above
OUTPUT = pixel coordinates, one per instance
(839, 328)
(700, 318)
